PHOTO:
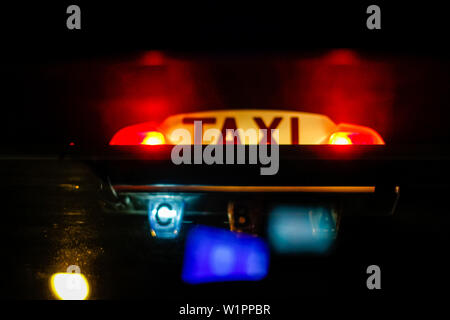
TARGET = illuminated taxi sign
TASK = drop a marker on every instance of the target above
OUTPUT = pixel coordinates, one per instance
(235, 125)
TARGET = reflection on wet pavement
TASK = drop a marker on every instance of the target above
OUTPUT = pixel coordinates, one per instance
(49, 224)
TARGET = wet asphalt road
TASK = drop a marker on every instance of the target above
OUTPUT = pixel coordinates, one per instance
(52, 218)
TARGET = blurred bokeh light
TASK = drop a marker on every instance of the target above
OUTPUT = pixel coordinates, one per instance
(217, 255)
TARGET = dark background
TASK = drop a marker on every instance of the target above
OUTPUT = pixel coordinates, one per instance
(61, 85)
(135, 62)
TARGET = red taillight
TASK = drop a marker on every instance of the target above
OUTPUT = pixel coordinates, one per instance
(347, 134)
(340, 138)
(153, 138)
(141, 134)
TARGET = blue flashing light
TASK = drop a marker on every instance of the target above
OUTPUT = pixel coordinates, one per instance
(218, 255)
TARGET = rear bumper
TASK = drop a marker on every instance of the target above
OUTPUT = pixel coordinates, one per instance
(347, 200)
(359, 179)
(245, 189)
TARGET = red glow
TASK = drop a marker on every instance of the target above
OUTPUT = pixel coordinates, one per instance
(153, 138)
(135, 93)
(352, 134)
(344, 84)
(152, 58)
(342, 57)
(138, 134)
(348, 86)
(341, 138)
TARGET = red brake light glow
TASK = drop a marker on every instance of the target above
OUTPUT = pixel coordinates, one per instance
(149, 134)
(340, 138)
(140, 134)
(154, 138)
(347, 134)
